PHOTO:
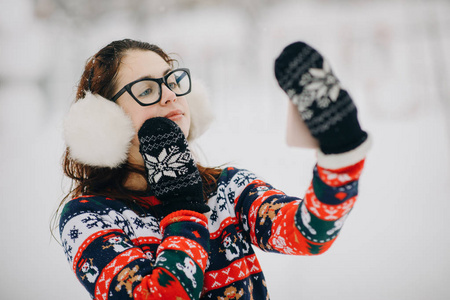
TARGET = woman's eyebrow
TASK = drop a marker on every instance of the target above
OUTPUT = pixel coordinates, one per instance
(153, 77)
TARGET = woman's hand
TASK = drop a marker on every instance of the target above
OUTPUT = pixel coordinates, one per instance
(171, 171)
(326, 108)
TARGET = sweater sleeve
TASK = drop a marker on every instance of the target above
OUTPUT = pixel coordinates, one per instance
(280, 223)
(99, 244)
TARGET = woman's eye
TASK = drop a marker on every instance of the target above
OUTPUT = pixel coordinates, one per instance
(173, 85)
(145, 93)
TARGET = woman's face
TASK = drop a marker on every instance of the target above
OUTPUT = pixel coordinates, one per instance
(137, 64)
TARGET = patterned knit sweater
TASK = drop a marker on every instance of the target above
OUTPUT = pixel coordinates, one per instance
(117, 253)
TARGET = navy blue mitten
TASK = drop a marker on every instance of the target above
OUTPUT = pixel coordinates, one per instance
(171, 171)
(327, 110)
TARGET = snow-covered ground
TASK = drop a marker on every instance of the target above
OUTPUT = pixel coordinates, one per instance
(391, 55)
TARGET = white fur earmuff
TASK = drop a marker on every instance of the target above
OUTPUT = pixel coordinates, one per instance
(98, 132)
(201, 112)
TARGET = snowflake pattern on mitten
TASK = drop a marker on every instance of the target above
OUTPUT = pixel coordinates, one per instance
(319, 85)
(170, 162)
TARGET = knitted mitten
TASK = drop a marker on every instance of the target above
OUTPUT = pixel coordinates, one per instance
(171, 171)
(326, 108)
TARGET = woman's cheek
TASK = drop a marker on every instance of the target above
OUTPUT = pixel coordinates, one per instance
(135, 140)
(137, 123)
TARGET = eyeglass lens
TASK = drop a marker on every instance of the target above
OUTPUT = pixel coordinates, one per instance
(148, 91)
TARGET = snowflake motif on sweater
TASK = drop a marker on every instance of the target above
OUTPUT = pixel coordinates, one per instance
(117, 253)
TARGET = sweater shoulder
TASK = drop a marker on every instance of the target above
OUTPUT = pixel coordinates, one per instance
(89, 204)
(232, 182)
(86, 203)
(235, 175)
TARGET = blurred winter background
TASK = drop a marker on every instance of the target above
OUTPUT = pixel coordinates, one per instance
(392, 55)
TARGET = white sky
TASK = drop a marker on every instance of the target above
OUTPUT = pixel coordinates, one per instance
(389, 54)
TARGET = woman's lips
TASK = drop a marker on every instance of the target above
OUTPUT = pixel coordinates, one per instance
(174, 114)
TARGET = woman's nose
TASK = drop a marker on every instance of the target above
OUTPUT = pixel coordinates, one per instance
(167, 95)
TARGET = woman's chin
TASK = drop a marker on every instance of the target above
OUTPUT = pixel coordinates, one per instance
(182, 122)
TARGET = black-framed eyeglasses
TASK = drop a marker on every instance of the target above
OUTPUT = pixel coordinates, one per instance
(147, 91)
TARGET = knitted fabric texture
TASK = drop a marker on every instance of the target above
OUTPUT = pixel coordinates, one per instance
(119, 254)
(171, 170)
(326, 108)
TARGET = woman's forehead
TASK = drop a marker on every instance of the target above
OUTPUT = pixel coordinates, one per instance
(136, 64)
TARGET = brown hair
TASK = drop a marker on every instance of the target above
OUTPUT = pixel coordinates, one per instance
(100, 77)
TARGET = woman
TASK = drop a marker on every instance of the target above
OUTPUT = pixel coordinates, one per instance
(147, 222)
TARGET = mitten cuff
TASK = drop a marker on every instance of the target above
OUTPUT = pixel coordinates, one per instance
(341, 160)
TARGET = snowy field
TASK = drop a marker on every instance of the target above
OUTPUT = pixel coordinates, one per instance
(393, 57)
